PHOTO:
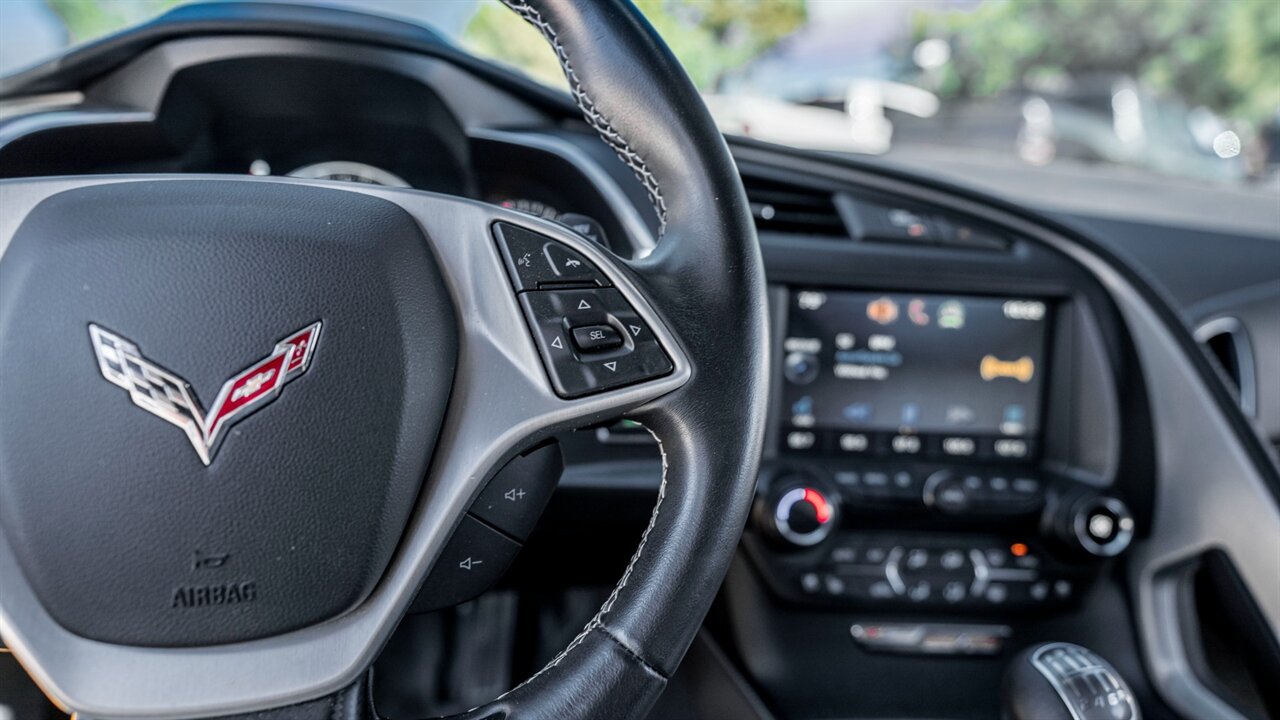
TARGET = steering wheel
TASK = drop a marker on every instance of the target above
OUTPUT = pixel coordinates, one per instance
(392, 349)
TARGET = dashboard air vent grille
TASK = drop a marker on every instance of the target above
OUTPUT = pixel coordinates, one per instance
(784, 207)
(1227, 341)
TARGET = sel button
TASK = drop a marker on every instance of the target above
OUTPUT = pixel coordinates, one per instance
(591, 338)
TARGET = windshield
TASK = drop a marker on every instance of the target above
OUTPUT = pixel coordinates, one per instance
(1171, 90)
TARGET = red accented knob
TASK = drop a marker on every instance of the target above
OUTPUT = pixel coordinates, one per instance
(804, 515)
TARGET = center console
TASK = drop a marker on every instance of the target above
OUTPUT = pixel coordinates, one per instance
(937, 452)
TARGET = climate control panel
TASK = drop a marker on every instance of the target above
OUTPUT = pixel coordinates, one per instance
(924, 570)
(959, 538)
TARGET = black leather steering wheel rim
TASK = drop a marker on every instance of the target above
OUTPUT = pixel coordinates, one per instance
(708, 279)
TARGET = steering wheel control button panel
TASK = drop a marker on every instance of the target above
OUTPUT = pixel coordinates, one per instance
(589, 336)
(489, 538)
(515, 497)
(620, 349)
(475, 558)
(535, 261)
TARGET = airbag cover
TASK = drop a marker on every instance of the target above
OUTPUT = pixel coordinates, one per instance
(121, 529)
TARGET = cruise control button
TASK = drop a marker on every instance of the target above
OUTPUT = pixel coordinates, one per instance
(590, 338)
(475, 558)
(535, 261)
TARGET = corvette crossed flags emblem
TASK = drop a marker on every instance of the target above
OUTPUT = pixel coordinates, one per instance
(162, 393)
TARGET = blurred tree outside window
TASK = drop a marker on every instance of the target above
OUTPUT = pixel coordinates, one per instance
(1221, 54)
(710, 37)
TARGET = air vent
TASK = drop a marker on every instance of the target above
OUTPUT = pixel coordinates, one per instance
(784, 207)
(1227, 341)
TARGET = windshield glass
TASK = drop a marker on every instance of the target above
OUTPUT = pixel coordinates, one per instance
(1170, 90)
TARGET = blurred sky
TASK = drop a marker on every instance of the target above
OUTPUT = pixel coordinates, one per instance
(30, 32)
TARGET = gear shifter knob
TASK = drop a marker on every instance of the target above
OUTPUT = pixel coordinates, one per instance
(1061, 681)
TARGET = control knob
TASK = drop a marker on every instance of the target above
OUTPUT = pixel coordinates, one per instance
(1093, 525)
(802, 514)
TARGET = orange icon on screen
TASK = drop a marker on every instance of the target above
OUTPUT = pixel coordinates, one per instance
(882, 310)
(1022, 369)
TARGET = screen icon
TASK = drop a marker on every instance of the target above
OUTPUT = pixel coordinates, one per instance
(854, 442)
(951, 315)
(802, 412)
(910, 414)
(1013, 421)
(882, 310)
(915, 311)
(800, 368)
(882, 343)
(1022, 369)
(811, 300)
(959, 415)
(857, 412)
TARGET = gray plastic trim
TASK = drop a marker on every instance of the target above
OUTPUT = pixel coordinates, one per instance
(1248, 379)
(1208, 492)
(39, 103)
(501, 401)
(20, 127)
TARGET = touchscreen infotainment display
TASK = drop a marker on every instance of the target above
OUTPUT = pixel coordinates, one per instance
(915, 364)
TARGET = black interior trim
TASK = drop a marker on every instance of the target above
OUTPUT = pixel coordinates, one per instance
(1230, 646)
(81, 65)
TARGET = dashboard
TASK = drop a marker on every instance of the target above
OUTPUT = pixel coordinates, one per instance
(363, 124)
(961, 450)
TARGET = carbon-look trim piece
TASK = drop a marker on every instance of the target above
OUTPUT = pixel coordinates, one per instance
(497, 359)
